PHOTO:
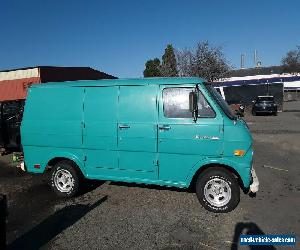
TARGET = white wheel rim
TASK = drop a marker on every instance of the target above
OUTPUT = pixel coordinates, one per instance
(217, 192)
(63, 180)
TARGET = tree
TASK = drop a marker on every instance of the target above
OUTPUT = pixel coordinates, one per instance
(152, 68)
(291, 61)
(184, 62)
(169, 63)
(203, 61)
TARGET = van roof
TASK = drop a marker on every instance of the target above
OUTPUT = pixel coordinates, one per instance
(124, 82)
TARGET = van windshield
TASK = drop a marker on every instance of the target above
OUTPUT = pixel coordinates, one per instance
(220, 101)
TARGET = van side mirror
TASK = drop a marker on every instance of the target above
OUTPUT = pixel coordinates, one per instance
(193, 105)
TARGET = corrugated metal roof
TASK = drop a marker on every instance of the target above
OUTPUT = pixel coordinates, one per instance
(255, 81)
(19, 74)
(258, 71)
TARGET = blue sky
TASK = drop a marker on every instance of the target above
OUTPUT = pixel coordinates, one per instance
(119, 36)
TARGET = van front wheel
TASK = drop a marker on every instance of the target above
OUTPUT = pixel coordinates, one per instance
(64, 179)
(217, 190)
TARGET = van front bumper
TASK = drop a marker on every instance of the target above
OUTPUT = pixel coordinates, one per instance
(255, 183)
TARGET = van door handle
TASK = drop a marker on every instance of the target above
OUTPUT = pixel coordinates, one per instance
(165, 127)
(124, 126)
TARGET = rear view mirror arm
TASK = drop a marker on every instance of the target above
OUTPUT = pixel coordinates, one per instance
(193, 104)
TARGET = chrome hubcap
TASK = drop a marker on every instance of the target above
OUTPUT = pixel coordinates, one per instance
(217, 192)
(63, 180)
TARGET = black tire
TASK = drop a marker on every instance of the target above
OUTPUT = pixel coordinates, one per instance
(253, 113)
(223, 177)
(67, 168)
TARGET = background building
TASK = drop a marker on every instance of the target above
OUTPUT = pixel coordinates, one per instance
(244, 85)
(13, 91)
(273, 74)
(14, 83)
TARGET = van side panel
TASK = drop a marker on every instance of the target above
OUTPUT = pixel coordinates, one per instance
(100, 130)
(52, 120)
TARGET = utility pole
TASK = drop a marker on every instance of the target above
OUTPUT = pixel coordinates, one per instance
(257, 63)
(268, 88)
(242, 61)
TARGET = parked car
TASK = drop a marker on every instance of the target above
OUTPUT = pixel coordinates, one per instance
(164, 131)
(264, 105)
(11, 113)
(237, 107)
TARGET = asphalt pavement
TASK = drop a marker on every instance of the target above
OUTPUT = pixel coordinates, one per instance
(110, 215)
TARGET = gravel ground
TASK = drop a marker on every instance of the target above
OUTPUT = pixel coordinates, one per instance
(131, 216)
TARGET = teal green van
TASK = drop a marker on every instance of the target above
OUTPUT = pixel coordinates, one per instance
(164, 131)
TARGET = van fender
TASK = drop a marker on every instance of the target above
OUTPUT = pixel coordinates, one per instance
(220, 161)
(69, 156)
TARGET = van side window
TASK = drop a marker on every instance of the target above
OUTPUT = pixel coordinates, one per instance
(204, 109)
(176, 104)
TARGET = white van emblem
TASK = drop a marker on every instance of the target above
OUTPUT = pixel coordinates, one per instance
(206, 137)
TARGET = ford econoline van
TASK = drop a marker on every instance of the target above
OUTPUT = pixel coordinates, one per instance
(164, 131)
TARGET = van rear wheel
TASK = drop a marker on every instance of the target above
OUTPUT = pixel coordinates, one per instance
(65, 179)
(217, 190)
